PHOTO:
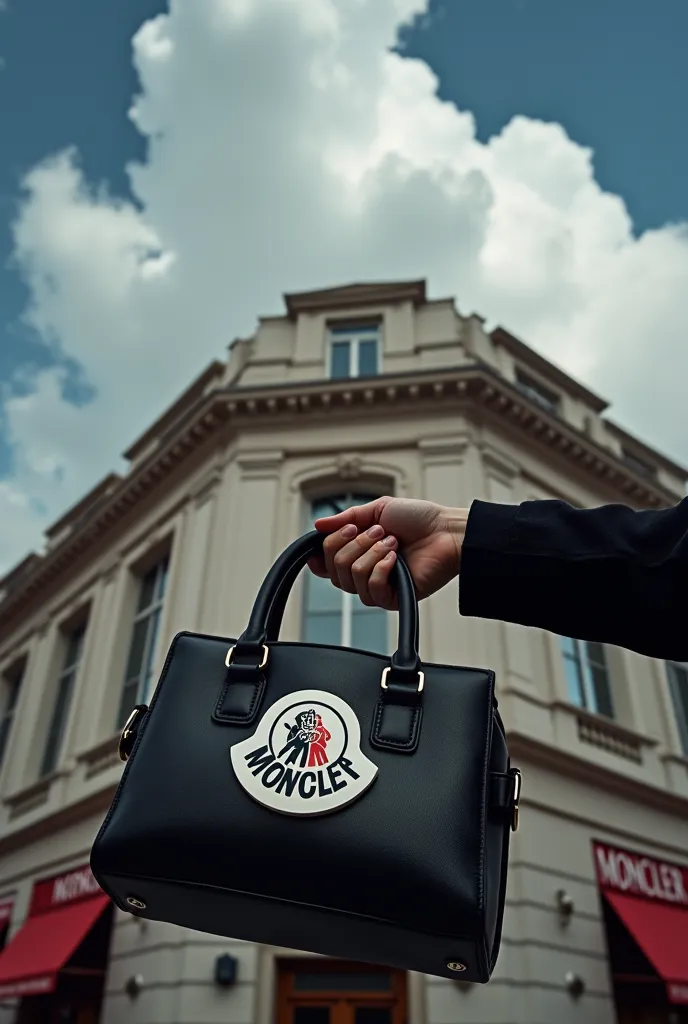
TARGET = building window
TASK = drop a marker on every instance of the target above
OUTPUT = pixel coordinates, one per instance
(354, 351)
(587, 676)
(63, 699)
(537, 392)
(10, 686)
(137, 678)
(678, 683)
(638, 465)
(330, 615)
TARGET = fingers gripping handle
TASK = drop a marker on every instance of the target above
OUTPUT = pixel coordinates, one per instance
(268, 609)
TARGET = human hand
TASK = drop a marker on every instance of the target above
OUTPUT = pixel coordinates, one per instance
(360, 549)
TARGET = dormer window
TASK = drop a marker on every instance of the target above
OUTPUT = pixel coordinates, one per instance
(354, 350)
(537, 392)
(638, 464)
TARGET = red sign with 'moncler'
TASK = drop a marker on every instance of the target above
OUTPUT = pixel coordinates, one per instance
(77, 884)
(640, 875)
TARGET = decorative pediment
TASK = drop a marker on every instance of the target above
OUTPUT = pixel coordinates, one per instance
(355, 296)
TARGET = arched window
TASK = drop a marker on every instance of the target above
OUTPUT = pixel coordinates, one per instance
(333, 617)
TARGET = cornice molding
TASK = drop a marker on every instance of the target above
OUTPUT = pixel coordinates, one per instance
(590, 773)
(94, 804)
(431, 390)
(259, 462)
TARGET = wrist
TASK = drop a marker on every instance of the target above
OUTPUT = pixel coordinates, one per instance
(454, 523)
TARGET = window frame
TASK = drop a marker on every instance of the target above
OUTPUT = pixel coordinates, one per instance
(354, 334)
(584, 664)
(637, 464)
(63, 696)
(679, 704)
(152, 611)
(12, 681)
(537, 391)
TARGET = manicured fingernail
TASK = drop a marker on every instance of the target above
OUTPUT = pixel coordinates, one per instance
(349, 531)
(390, 557)
(375, 531)
(390, 542)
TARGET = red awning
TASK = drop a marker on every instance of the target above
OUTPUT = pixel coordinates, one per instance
(661, 931)
(30, 962)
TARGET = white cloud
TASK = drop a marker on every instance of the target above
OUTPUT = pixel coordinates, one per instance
(289, 148)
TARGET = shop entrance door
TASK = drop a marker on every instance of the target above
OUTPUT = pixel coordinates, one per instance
(334, 992)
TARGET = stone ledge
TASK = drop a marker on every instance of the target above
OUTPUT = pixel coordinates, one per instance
(101, 757)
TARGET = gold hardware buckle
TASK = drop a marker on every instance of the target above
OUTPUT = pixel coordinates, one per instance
(385, 673)
(128, 734)
(518, 782)
(264, 660)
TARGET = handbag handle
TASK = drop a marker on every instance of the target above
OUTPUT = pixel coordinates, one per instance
(278, 606)
(268, 608)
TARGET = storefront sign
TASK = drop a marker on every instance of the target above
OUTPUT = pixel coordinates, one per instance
(64, 909)
(78, 884)
(678, 994)
(28, 987)
(639, 875)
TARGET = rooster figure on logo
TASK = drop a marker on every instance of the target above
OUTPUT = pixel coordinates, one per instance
(306, 741)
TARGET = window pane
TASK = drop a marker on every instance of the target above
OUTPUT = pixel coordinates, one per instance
(147, 592)
(574, 682)
(340, 360)
(59, 721)
(568, 646)
(367, 358)
(130, 693)
(323, 628)
(13, 686)
(75, 643)
(602, 691)
(341, 981)
(373, 1015)
(12, 696)
(330, 506)
(321, 595)
(5, 726)
(678, 678)
(153, 623)
(137, 649)
(369, 629)
(311, 1015)
(149, 667)
(161, 581)
(596, 654)
(537, 392)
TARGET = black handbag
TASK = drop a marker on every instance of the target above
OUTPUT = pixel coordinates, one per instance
(318, 798)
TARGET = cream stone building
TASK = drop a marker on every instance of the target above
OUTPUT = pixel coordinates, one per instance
(353, 392)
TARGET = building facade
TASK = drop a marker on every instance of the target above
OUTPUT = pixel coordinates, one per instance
(353, 392)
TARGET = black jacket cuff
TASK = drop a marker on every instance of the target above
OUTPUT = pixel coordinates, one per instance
(489, 535)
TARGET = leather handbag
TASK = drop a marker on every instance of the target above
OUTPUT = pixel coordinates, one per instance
(315, 797)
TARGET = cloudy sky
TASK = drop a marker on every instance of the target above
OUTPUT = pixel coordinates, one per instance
(168, 170)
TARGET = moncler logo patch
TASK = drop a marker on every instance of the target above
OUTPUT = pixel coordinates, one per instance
(305, 756)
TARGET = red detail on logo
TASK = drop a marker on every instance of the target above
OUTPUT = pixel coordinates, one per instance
(306, 741)
(317, 742)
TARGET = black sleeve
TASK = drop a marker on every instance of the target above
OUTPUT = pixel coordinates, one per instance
(609, 574)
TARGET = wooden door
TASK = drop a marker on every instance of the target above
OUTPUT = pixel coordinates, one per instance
(335, 992)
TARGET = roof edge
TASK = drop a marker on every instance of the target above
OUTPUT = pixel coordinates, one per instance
(528, 355)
